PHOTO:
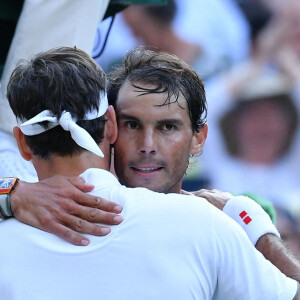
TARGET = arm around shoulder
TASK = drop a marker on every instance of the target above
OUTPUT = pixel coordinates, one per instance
(60, 205)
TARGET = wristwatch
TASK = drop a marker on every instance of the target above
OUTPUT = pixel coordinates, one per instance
(7, 187)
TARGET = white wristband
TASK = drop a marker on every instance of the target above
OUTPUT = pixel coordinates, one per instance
(251, 216)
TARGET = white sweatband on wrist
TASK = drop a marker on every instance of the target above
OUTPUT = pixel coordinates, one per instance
(250, 216)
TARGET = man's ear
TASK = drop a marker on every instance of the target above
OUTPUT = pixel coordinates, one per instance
(22, 144)
(198, 140)
(111, 127)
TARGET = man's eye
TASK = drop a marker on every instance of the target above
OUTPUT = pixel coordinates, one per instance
(132, 125)
(168, 127)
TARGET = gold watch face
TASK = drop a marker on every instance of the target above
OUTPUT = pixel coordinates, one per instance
(6, 184)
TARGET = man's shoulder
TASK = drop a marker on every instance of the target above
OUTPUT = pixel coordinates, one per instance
(191, 210)
(99, 177)
(13, 231)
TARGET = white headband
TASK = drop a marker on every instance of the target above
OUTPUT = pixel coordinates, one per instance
(78, 134)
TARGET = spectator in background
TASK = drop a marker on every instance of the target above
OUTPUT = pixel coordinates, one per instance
(216, 25)
(258, 132)
(152, 25)
(275, 55)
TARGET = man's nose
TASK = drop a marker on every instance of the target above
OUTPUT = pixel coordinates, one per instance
(147, 143)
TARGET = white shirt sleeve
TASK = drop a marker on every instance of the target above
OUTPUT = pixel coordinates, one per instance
(243, 271)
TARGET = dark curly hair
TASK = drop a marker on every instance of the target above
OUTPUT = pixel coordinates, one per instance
(168, 74)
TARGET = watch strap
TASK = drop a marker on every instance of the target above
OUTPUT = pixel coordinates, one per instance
(5, 207)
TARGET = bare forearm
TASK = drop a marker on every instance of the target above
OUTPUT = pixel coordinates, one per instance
(274, 250)
(60, 205)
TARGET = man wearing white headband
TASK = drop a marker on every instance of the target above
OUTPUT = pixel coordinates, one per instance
(169, 246)
(80, 136)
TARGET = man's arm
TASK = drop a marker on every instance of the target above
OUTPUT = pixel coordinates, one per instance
(239, 263)
(60, 205)
(275, 250)
(271, 246)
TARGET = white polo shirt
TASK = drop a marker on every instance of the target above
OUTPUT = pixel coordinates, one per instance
(168, 247)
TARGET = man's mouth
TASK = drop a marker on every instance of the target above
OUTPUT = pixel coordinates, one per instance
(146, 169)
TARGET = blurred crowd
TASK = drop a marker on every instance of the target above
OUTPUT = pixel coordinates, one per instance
(248, 54)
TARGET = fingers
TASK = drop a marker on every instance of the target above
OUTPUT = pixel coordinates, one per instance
(73, 227)
(68, 235)
(98, 216)
(56, 205)
(82, 226)
(79, 196)
(97, 202)
(80, 184)
(183, 192)
(95, 215)
(108, 206)
(213, 192)
(48, 223)
(215, 197)
(202, 192)
(67, 208)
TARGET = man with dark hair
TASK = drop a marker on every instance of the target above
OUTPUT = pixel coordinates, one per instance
(177, 133)
(42, 90)
(190, 250)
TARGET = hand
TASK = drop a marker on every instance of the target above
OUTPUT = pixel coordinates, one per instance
(60, 205)
(269, 40)
(289, 63)
(215, 197)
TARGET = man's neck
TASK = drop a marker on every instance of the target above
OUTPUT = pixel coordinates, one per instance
(68, 165)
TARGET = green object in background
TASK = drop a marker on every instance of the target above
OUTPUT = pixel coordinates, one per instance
(265, 204)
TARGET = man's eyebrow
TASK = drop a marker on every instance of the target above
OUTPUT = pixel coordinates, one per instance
(173, 121)
(122, 116)
(177, 122)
